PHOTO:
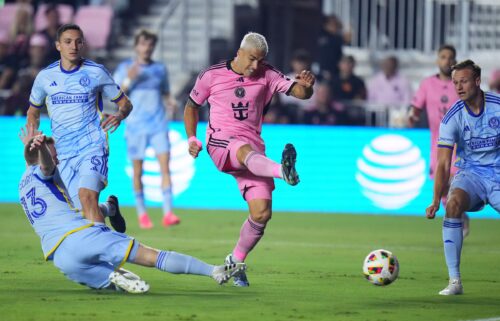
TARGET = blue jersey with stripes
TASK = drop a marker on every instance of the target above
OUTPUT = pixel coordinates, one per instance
(48, 208)
(146, 94)
(477, 136)
(74, 102)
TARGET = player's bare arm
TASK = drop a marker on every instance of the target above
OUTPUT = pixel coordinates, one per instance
(441, 180)
(47, 165)
(111, 122)
(191, 118)
(304, 82)
(413, 116)
(33, 118)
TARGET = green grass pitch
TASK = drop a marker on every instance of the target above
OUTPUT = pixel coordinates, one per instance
(307, 267)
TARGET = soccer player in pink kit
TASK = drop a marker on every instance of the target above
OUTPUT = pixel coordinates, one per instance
(238, 92)
(436, 94)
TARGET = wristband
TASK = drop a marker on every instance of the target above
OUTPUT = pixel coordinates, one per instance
(196, 140)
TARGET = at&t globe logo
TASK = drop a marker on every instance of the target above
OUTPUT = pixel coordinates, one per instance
(391, 171)
(181, 169)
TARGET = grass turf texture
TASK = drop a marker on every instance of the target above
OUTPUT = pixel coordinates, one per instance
(307, 267)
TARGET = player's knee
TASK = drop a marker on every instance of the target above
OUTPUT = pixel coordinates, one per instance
(454, 208)
(88, 197)
(261, 216)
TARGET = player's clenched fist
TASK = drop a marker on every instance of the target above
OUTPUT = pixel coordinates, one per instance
(195, 146)
(431, 211)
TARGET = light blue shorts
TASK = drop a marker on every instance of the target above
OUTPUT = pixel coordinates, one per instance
(88, 170)
(481, 191)
(90, 255)
(137, 144)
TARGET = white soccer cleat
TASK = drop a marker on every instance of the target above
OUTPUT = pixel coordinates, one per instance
(454, 288)
(222, 273)
(129, 282)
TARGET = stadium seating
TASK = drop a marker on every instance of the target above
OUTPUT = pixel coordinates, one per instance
(95, 22)
(65, 15)
(8, 15)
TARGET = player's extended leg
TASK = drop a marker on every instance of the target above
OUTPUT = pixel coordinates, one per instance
(251, 232)
(169, 218)
(178, 263)
(260, 165)
(142, 215)
(458, 202)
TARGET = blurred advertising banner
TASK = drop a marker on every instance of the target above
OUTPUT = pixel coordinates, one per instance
(358, 170)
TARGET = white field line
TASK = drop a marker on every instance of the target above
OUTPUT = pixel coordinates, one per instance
(489, 319)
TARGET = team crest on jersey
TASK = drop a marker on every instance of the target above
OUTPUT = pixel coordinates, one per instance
(240, 111)
(85, 81)
(444, 99)
(494, 122)
(240, 92)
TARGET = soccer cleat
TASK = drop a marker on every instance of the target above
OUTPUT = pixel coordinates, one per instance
(240, 277)
(145, 221)
(117, 221)
(466, 225)
(288, 158)
(223, 273)
(170, 219)
(127, 281)
(454, 288)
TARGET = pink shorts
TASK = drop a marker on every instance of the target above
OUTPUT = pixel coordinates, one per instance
(222, 149)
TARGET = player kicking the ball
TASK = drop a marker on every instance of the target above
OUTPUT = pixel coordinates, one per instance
(238, 92)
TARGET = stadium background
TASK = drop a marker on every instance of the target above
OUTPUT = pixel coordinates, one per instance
(369, 163)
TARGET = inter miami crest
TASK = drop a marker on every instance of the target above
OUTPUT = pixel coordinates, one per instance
(239, 92)
(240, 111)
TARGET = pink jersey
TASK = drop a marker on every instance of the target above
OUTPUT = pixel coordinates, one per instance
(436, 96)
(238, 103)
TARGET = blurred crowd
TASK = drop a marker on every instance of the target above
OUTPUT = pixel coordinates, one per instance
(341, 97)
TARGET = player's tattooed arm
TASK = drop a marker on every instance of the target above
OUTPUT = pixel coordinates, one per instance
(111, 122)
(33, 118)
(191, 118)
(303, 87)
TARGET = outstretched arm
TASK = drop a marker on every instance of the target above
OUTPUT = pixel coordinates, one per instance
(111, 122)
(191, 118)
(303, 87)
(440, 180)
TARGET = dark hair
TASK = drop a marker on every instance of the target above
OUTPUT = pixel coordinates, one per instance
(148, 35)
(66, 27)
(50, 7)
(31, 156)
(448, 47)
(349, 58)
(468, 64)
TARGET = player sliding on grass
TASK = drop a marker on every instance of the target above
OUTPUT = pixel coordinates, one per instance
(89, 252)
(472, 125)
(238, 92)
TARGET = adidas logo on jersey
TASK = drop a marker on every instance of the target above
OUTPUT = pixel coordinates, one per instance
(240, 79)
(53, 84)
(466, 128)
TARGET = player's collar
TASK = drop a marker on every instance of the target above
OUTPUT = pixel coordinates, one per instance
(228, 66)
(72, 70)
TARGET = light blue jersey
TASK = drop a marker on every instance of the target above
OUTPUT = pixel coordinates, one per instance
(48, 209)
(74, 102)
(477, 137)
(146, 94)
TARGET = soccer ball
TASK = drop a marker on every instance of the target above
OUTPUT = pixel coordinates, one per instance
(381, 267)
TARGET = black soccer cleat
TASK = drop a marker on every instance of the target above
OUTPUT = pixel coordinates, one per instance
(117, 221)
(288, 158)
